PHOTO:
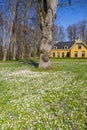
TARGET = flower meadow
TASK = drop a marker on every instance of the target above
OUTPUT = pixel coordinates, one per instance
(33, 99)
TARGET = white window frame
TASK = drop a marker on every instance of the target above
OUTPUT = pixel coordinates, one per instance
(75, 54)
(65, 47)
(83, 53)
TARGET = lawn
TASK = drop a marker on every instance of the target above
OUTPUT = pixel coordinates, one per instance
(33, 99)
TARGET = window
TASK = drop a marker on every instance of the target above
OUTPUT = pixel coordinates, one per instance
(62, 54)
(79, 45)
(53, 54)
(58, 54)
(83, 53)
(65, 47)
(55, 47)
(75, 54)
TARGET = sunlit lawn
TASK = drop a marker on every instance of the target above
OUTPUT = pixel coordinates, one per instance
(33, 99)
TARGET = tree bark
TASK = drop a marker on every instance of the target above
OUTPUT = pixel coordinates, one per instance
(15, 31)
(8, 41)
(47, 17)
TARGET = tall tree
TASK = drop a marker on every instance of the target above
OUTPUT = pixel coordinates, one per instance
(83, 29)
(47, 11)
(10, 27)
(72, 32)
(58, 33)
(1, 36)
(15, 30)
(61, 33)
(76, 30)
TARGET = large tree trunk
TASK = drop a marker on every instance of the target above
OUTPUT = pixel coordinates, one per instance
(47, 16)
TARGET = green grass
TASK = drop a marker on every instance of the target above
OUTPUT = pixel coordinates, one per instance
(31, 99)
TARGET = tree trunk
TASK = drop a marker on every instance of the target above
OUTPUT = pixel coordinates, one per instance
(5, 54)
(7, 44)
(9, 37)
(15, 30)
(14, 52)
(47, 15)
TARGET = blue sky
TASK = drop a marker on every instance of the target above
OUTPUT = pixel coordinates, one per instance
(67, 15)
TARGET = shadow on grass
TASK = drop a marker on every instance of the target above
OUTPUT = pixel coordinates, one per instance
(33, 63)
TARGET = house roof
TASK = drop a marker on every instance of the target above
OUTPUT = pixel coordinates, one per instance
(61, 45)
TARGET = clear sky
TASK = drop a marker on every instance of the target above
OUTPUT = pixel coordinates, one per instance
(67, 15)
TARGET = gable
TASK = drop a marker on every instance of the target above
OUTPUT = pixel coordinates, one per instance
(79, 45)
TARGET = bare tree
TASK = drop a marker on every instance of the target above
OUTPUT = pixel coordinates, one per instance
(72, 32)
(47, 11)
(10, 27)
(83, 29)
(61, 33)
(58, 33)
(14, 30)
(1, 36)
(76, 30)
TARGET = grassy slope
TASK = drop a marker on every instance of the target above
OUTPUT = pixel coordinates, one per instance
(31, 99)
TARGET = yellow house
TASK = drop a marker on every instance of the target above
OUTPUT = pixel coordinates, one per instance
(77, 49)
